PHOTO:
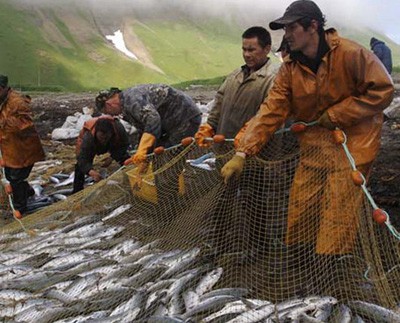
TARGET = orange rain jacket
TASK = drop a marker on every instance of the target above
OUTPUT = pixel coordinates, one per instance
(351, 84)
(354, 88)
(20, 143)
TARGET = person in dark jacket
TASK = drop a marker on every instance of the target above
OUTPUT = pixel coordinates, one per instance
(99, 136)
(163, 116)
(20, 143)
(383, 52)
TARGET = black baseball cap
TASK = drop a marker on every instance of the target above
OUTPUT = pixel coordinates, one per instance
(297, 10)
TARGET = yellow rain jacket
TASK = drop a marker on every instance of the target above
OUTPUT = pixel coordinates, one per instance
(354, 88)
(20, 143)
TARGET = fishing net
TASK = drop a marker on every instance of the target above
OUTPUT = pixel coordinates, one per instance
(292, 240)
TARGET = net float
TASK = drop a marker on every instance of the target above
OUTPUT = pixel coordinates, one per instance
(186, 141)
(219, 139)
(380, 216)
(159, 150)
(338, 136)
(298, 127)
(357, 177)
(17, 214)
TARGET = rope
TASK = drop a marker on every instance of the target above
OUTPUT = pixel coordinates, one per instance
(388, 224)
(10, 200)
(302, 126)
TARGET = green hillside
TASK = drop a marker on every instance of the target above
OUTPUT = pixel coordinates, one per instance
(64, 47)
(182, 50)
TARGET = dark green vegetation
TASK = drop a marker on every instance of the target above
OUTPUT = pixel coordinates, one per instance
(64, 48)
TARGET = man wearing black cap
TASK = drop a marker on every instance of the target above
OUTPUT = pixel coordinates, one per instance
(20, 144)
(337, 83)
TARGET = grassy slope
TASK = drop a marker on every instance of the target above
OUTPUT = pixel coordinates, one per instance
(189, 51)
(184, 50)
(31, 61)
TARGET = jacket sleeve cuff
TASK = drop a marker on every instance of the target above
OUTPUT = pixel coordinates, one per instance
(241, 154)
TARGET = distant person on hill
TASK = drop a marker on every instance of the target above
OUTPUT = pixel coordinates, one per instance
(99, 136)
(383, 52)
(163, 116)
(19, 142)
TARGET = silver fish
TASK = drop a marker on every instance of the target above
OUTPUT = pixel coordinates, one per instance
(14, 309)
(191, 299)
(237, 292)
(54, 180)
(183, 262)
(59, 197)
(236, 307)
(93, 317)
(67, 181)
(374, 312)
(12, 296)
(117, 211)
(208, 281)
(135, 303)
(210, 305)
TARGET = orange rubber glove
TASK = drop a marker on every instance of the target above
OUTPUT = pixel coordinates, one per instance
(325, 121)
(233, 168)
(239, 135)
(146, 142)
(205, 131)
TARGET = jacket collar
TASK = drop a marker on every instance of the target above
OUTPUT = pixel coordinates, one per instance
(262, 71)
(331, 37)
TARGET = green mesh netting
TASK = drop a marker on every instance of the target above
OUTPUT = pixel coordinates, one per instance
(292, 240)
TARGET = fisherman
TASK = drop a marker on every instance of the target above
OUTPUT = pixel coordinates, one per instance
(383, 52)
(163, 116)
(236, 102)
(340, 84)
(239, 97)
(98, 136)
(20, 143)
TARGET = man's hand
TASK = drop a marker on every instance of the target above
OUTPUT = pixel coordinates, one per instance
(233, 168)
(95, 175)
(139, 158)
(325, 121)
(205, 131)
(146, 142)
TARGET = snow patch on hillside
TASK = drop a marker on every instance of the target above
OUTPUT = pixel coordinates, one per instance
(118, 40)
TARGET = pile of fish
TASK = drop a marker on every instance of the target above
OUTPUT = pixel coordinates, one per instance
(58, 188)
(87, 272)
